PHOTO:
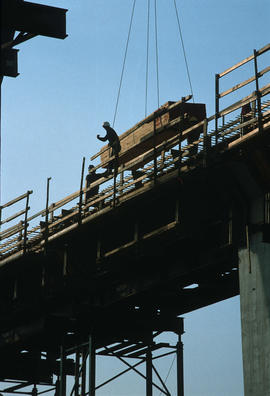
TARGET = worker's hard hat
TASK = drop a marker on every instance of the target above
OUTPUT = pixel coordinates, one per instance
(106, 123)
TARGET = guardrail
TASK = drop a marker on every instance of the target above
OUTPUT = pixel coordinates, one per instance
(161, 159)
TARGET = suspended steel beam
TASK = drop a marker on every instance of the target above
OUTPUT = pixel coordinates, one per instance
(37, 19)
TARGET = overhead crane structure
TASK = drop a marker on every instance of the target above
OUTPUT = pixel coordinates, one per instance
(28, 20)
(107, 276)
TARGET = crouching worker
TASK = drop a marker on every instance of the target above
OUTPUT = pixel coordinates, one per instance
(92, 192)
(246, 115)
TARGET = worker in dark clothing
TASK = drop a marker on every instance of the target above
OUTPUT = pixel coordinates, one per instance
(246, 116)
(90, 179)
(114, 143)
(194, 135)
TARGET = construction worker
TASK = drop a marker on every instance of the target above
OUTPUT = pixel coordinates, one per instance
(114, 143)
(246, 115)
(91, 177)
(193, 135)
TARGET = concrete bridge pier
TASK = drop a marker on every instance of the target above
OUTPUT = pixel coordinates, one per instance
(254, 276)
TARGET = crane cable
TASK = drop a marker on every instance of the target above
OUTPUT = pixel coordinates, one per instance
(147, 57)
(157, 59)
(124, 62)
(156, 39)
(183, 47)
(147, 54)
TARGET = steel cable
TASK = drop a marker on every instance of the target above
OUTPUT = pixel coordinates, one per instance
(147, 57)
(156, 39)
(183, 47)
(124, 61)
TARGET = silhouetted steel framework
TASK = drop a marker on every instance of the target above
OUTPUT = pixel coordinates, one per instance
(108, 275)
(29, 20)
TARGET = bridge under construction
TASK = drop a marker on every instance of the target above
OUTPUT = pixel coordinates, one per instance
(188, 206)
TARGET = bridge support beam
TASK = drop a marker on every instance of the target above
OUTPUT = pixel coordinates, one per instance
(149, 379)
(92, 366)
(180, 367)
(254, 276)
(63, 378)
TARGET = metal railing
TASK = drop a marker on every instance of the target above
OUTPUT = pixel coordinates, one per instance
(32, 233)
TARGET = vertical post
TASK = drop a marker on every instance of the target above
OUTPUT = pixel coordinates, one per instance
(205, 142)
(180, 367)
(83, 371)
(223, 123)
(253, 108)
(258, 95)
(47, 215)
(34, 390)
(122, 175)
(85, 187)
(52, 212)
(121, 183)
(20, 235)
(62, 371)
(25, 222)
(155, 151)
(180, 138)
(81, 192)
(92, 366)
(77, 372)
(114, 186)
(47, 200)
(162, 159)
(149, 373)
(217, 106)
(180, 151)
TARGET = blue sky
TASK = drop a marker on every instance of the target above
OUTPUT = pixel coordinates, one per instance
(52, 112)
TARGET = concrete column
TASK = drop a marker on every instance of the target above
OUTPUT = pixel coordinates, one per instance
(254, 276)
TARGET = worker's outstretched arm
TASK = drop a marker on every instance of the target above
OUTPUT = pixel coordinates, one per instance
(103, 139)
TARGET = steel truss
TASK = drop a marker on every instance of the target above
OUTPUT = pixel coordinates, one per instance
(85, 365)
(17, 387)
(78, 359)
